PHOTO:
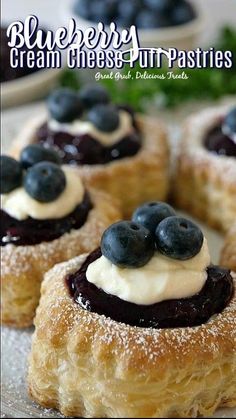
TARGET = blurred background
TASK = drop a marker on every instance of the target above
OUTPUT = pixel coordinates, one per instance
(217, 13)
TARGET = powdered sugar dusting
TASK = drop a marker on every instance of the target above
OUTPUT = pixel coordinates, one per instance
(15, 401)
(151, 343)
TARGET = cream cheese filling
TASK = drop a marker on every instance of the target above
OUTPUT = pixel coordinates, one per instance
(18, 204)
(161, 279)
(80, 127)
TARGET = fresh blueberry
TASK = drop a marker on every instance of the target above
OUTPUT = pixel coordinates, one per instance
(178, 238)
(44, 181)
(64, 105)
(151, 214)
(127, 244)
(35, 153)
(181, 13)
(104, 117)
(103, 10)
(229, 124)
(127, 10)
(82, 8)
(11, 174)
(123, 22)
(146, 19)
(160, 6)
(94, 94)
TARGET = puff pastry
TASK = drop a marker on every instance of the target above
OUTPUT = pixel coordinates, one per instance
(87, 365)
(205, 183)
(132, 180)
(228, 255)
(23, 267)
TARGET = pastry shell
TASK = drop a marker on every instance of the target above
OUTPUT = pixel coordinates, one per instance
(228, 255)
(23, 267)
(205, 183)
(132, 180)
(87, 365)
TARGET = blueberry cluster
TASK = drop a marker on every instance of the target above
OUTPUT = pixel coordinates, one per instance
(145, 14)
(154, 226)
(38, 171)
(65, 105)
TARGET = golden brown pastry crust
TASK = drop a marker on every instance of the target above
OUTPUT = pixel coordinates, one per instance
(205, 183)
(23, 267)
(132, 180)
(228, 255)
(87, 365)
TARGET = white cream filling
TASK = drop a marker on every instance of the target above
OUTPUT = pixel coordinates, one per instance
(79, 127)
(18, 204)
(162, 278)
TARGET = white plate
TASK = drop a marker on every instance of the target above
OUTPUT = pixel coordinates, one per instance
(16, 344)
(27, 88)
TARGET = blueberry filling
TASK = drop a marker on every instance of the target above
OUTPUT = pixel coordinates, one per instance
(186, 312)
(32, 231)
(83, 149)
(219, 143)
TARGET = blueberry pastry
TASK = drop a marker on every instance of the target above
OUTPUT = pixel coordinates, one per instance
(47, 216)
(144, 326)
(113, 149)
(228, 255)
(207, 166)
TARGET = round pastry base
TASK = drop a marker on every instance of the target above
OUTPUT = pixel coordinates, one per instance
(111, 369)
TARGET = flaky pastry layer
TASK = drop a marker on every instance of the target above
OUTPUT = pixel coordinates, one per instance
(132, 180)
(228, 255)
(87, 365)
(204, 182)
(23, 267)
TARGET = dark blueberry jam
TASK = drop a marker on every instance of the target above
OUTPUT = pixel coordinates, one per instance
(217, 142)
(185, 312)
(32, 231)
(83, 149)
